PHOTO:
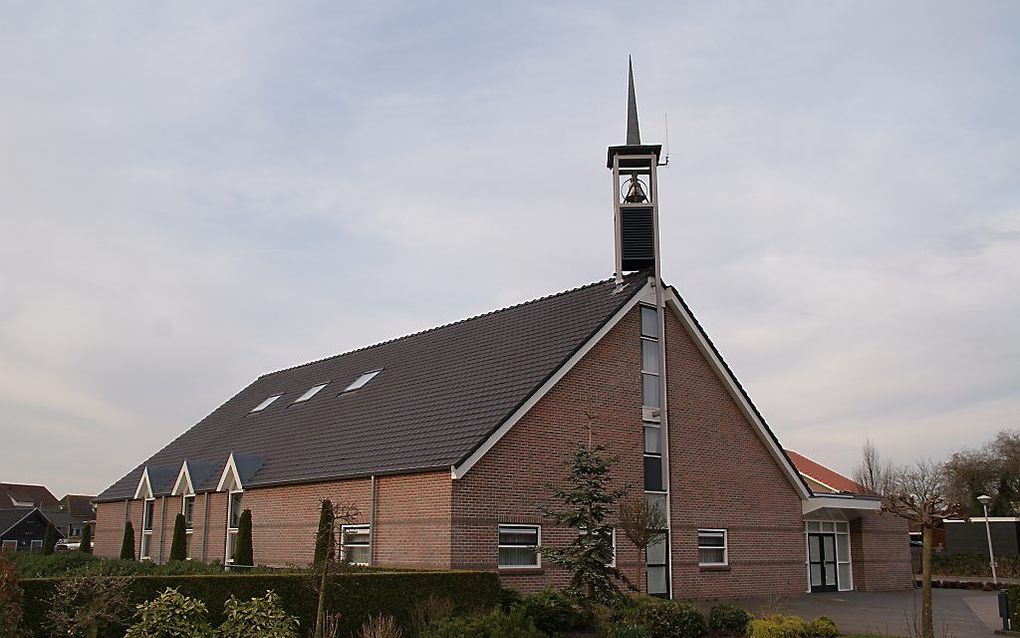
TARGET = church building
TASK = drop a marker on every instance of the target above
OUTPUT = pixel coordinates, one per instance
(448, 441)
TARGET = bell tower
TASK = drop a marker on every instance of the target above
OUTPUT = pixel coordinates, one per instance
(635, 195)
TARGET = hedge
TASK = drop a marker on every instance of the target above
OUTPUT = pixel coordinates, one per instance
(973, 565)
(1014, 605)
(355, 597)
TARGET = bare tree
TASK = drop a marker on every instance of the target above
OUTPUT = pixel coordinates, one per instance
(642, 523)
(920, 494)
(873, 473)
(343, 514)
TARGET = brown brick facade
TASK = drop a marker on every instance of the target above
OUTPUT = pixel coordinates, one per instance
(881, 553)
(722, 475)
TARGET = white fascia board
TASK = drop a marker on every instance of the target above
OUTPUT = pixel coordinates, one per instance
(183, 483)
(842, 503)
(144, 489)
(981, 519)
(644, 294)
(743, 402)
(230, 469)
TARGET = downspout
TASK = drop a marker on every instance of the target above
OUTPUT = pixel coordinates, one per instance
(371, 523)
(205, 523)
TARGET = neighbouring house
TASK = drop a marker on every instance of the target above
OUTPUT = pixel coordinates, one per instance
(449, 440)
(69, 514)
(75, 511)
(970, 536)
(23, 530)
(24, 496)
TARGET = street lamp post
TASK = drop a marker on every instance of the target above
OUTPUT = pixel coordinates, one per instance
(984, 499)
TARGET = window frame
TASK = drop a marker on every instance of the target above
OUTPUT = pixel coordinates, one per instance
(268, 401)
(189, 521)
(363, 379)
(6, 546)
(361, 527)
(501, 527)
(35, 543)
(231, 540)
(311, 392)
(725, 547)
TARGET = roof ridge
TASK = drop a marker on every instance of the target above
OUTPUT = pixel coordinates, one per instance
(439, 327)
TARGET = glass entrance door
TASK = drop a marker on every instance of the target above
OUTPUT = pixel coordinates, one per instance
(822, 562)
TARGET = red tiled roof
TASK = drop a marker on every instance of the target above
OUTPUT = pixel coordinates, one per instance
(823, 475)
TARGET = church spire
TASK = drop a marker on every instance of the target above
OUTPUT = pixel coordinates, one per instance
(633, 131)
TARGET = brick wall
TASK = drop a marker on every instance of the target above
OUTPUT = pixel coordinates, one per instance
(512, 483)
(723, 476)
(880, 553)
(109, 529)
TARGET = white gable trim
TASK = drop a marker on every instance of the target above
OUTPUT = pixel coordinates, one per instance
(229, 470)
(145, 483)
(459, 471)
(183, 483)
(822, 483)
(733, 388)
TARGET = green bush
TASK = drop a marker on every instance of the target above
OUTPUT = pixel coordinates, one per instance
(509, 598)
(80, 607)
(669, 619)
(972, 565)
(629, 631)
(778, 627)
(354, 597)
(244, 557)
(495, 624)
(86, 539)
(823, 627)
(179, 543)
(171, 615)
(50, 539)
(728, 619)
(127, 544)
(11, 600)
(552, 610)
(262, 617)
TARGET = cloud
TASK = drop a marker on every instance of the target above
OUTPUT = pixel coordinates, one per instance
(193, 195)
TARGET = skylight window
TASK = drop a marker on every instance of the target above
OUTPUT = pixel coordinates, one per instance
(362, 380)
(311, 392)
(265, 404)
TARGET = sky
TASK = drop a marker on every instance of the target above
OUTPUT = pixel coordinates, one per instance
(193, 194)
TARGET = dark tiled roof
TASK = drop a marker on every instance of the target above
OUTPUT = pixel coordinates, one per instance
(36, 495)
(77, 505)
(11, 517)
(440, 394)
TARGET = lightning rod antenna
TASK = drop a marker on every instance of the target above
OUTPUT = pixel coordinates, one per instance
(665, 118)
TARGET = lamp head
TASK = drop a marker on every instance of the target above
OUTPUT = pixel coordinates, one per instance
(984, 499)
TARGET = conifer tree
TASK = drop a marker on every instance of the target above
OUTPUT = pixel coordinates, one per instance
(324, 535)
(50, 540)
(587, 506)
(243, 553)
(179, 543)
(86, 539)
(127, 546)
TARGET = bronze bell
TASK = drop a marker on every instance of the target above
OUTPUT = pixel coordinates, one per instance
(635, 191)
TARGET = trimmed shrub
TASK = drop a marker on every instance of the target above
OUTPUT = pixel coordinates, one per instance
(171, 615)
(353, 597)
(86, 539)
(495, 624)
(729, 619)
(778, 627)
(262, 617)
(11, 599)
(127, 545)
(179, 544)
(670, 619)
(324, 534)
(552, 610)
(823, 627)
(50, 540)
(243, 554)
(83, 606)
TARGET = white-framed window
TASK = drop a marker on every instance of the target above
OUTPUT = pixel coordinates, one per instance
(148, 514)
(356, 544)
(656, 570)
(233, 519)
(840, 539)
(311, 392)
(650, 358)
(712, 550)
(518, 546)
(36, 546)
(188, 509)
(10, 546)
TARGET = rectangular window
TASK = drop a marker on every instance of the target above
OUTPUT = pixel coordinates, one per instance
(311, 392)
(146, 542)
(518, 546)
(148, 510)
(653, 473)
(657, 555)
(231, 545)
(188, 509)
(712, 547)
(36, 546)
(653, 438)
(649, 322)
(361, 381)
(265, 404)
(10, 546)
(234, 509)
(356, 544)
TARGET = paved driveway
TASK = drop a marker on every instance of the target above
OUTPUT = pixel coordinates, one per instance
(959, 613)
